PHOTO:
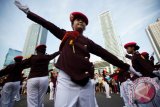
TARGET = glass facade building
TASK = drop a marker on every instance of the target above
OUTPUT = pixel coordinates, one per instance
(36, 35)
(111, 39)
(10, 56)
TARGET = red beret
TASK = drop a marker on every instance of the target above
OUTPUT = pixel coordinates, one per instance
(144, 54)
(75, 15)
(18, 57)
(42, 46)
(131, 44)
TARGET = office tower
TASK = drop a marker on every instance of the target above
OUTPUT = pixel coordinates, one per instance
(153, 32)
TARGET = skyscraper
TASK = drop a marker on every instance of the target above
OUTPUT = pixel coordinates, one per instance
(10, 56)
(36, 35)
(111, 39)
(153, 32)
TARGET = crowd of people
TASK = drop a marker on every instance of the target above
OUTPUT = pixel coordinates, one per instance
(75, 84)
(121, 81)
(101, 81)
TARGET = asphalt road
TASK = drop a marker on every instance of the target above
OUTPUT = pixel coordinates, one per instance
(102, 101)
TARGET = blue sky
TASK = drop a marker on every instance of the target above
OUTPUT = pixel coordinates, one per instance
(130, 18)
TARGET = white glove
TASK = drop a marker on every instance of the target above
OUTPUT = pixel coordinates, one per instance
(156, 72)
(24, 8)
(132, 70)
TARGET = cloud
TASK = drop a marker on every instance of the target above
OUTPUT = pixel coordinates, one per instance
(14, 24)
(139, 23)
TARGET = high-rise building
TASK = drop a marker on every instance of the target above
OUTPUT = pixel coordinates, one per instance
(36, 35)
(112, 40)
(153, 32)
(10, 56)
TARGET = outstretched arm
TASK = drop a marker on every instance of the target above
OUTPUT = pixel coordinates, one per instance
(52, 56)
(107, 56)
(26, 63)
(6, 70)
(59, 33)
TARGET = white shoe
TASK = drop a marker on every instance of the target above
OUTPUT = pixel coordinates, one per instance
(108, 97)
(51, 99)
